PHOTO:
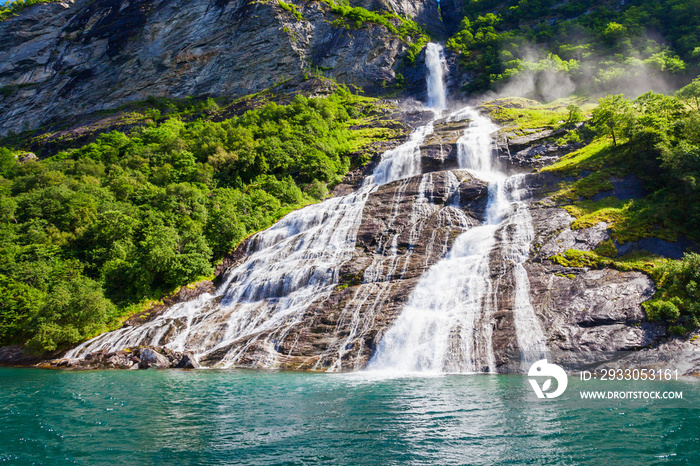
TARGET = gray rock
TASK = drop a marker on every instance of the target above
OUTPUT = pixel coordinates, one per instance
(629, 187)
(28, 157)
(59, 60)
(677, 353)
(188, 361)
(659, 247)
(151, 358)
(119, 360)
(68, 363)
(553, 233)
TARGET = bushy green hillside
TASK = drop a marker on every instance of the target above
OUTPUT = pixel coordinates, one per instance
(593, 45)
(94, 230)
(656, 138)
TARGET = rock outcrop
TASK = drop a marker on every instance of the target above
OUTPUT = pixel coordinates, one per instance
(77, 57)
(592, 317)
(151, 358)
(146, 357)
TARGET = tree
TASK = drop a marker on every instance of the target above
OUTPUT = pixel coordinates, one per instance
(614, 115)
(614, 33)
(575, 114)
(691, 93)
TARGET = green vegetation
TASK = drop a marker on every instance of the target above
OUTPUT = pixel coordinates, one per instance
(523, 116)
(292, 8)
(12, 8)
(356, 17)
(599, 45)
(678, 298)
(93, 232)
(406, 29)
(656, 138)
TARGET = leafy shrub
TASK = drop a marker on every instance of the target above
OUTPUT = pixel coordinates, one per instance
(678, 298)
(662, 310)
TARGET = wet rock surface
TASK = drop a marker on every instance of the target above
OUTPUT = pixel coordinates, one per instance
(439, 151)
(407, 226)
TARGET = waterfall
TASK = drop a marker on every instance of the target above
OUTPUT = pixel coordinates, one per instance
(447, 323)
(295, 265)
(435, 62)
(290, 266)
(404, 161)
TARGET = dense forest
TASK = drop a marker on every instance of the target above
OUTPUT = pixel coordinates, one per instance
(592, 46)
(93, 231)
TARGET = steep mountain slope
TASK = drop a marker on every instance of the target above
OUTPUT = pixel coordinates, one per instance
(67, 58)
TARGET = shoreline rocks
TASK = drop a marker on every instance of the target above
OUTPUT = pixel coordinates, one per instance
(147, 357)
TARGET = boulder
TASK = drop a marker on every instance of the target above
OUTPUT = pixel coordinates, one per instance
(151, 358)
(28, 157)
(188, 361)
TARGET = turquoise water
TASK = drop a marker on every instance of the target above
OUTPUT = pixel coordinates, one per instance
(245, 417)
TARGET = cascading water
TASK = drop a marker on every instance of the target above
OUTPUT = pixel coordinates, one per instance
(447, 324)
(435, 62)
(289, 266)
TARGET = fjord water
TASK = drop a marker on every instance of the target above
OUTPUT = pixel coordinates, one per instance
(267, 418)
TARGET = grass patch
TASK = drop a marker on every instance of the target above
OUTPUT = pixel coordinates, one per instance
(292, 8)
(594, 156)
(519, 114)
(639, 261)
(629, 220)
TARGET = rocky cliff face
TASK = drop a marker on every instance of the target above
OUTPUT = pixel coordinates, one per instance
(593, 317)
(77, 57)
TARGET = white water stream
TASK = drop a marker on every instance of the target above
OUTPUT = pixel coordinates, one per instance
(290, 266)
(447, 324)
